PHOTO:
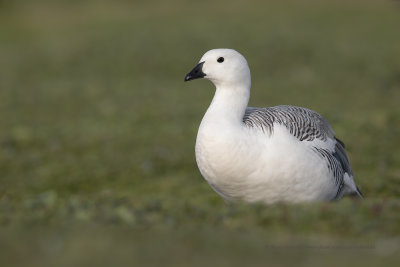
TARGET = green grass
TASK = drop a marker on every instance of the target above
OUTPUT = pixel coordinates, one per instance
(98, 129)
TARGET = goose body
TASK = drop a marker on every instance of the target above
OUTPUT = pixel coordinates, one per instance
(276, 154)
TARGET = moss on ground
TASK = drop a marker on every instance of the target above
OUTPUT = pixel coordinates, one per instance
(98, 129)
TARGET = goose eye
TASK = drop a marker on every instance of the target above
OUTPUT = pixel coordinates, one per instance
(220, 59)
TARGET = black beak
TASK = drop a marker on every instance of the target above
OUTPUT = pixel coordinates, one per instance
(195, 73)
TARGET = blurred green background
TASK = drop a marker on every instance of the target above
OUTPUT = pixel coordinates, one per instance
(98, 128)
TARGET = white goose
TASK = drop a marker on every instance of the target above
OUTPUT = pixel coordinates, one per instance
(276, 154)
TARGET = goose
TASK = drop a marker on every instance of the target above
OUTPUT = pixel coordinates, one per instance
(275, 154)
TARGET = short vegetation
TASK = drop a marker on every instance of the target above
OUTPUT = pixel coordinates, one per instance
(97, 131)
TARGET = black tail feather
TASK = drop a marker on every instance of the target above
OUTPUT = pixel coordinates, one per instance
(359, 193)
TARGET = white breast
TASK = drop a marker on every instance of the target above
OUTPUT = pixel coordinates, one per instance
(244, 163)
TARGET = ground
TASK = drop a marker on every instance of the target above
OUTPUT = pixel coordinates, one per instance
(98, 130)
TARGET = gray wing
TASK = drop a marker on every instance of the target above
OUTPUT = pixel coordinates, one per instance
(305, 125)
(338, 165)
(302, 123)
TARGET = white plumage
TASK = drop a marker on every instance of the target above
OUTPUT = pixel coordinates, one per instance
(276, 154)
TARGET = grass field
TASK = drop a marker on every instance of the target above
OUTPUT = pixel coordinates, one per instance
(97, 136)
